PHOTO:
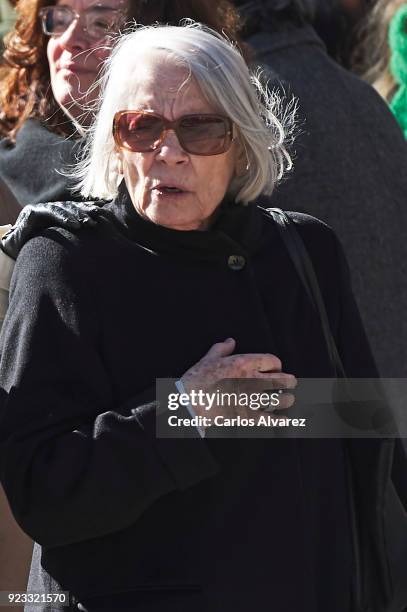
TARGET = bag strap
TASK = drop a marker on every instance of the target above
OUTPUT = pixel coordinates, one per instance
(305, 269)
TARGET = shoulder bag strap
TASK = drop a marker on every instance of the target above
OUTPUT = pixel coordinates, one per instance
(305, 269)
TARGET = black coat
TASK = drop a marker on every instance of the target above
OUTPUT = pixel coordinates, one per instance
(350, 171)
(138, 522)
(32, 166)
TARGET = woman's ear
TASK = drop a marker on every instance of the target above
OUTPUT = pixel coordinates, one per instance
(242, 161)
(116, 167)
(119, 162)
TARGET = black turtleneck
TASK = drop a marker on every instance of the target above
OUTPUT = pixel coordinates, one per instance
(197, 524)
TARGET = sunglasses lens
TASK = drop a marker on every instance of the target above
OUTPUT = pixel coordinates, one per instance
(204, 134)
(197, 134)
(139, 132)
(57, 19)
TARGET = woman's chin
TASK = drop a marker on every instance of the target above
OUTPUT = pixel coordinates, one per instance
(174, 213)
(175, 222)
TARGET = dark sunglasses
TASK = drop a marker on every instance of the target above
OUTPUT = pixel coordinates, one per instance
(98, 21)
(144, 131)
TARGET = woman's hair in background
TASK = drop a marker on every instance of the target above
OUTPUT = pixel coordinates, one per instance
(226, 82)
(334, 20)
(372, 56)
(24, 73)
(274, 15)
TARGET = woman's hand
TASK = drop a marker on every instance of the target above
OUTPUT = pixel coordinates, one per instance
(35, 218)
(219, 364)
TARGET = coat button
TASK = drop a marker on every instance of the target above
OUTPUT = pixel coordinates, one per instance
(236, 262)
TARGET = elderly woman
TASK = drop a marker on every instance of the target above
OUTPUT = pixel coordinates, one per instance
(184, 276)
(51, 62)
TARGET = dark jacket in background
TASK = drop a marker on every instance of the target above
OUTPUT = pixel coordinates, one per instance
(31, 167)
(131, 521)
(350, 170)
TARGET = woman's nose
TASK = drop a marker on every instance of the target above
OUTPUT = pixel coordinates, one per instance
(75, 38)
(170, 150)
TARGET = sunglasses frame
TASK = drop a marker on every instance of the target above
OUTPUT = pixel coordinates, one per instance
(42, 13)
(172, 125)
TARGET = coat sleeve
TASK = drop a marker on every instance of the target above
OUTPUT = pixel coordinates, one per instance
(74, 464)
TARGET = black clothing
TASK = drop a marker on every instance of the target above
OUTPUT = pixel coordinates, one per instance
(35, 218)
(205, 525)
(349, 171)
(31, 167)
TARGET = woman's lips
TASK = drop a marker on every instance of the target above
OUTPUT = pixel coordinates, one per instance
(170, 187)
(164, 191)
(167, 193)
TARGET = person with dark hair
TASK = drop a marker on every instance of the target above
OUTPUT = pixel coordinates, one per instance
(337, 22)
(349, 169)
(333, 20)
(275, 14)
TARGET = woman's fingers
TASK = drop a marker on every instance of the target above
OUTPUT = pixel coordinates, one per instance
(220, 349)
(286, 400)
(278, 380)
(219, 365)
(252, 365)
(243, 365)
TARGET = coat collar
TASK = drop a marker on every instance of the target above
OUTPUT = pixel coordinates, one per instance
(237, 230)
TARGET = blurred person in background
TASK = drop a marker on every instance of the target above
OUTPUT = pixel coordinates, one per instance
(381, 58)
(349, 168)
(51, 62)
(335, 21)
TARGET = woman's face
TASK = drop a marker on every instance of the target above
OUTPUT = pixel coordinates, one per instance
(75, 58)
(203, 180)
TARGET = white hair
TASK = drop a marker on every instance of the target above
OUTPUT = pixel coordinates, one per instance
(225, 80)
